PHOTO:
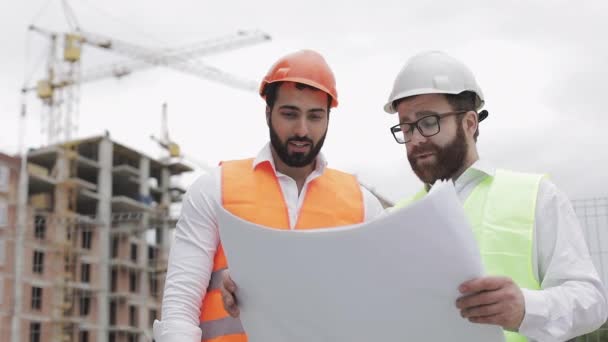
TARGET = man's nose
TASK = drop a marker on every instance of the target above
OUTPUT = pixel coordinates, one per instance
(301, 128)
(416, 138)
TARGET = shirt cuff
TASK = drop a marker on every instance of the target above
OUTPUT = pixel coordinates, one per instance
(168, 331)
(536, 314)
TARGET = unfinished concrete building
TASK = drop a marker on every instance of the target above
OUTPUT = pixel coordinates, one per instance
(9, 171)
(94, 245)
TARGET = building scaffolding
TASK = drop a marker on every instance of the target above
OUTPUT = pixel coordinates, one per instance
(97, 226)
(593, 216)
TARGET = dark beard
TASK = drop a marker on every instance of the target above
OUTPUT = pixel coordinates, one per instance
(449, 159)
(297, 159)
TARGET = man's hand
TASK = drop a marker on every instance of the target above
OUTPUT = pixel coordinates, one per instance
(492, 300)
(228, 289)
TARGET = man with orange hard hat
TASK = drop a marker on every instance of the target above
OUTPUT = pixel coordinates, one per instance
(286, 186)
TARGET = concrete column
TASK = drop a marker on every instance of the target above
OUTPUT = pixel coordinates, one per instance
(19, 242)
(61, 204)
(164, 238)
(104, 212)
(144, 176)
(144, 192)
(61, 195)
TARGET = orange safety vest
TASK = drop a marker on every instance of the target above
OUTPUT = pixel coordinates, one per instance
(332, 199)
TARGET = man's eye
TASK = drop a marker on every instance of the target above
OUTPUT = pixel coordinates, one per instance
(428, 122)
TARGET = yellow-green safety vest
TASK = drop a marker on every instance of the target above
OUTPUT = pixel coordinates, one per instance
(501, 210)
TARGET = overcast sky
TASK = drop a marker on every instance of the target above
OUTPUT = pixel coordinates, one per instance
(542, 65)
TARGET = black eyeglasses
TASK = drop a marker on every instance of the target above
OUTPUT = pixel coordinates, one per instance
(427, 126)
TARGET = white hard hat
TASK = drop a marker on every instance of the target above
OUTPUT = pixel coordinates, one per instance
(433, 72)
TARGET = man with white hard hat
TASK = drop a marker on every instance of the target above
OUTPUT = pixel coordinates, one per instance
(541, 283)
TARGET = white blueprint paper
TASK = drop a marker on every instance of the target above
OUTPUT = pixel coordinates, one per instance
(392, 279)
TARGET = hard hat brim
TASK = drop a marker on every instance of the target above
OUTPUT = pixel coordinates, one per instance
(388, 107)
(334, 101)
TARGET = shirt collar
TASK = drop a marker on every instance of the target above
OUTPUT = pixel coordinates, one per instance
(479, 166)
(480, 169)
(265, 155)
(477, 170)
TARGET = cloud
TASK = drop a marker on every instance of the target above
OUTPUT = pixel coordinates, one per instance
(541, 65)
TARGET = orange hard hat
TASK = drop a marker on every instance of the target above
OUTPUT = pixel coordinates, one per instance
(306, 67)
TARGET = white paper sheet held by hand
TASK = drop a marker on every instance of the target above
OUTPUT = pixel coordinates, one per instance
(392, 279)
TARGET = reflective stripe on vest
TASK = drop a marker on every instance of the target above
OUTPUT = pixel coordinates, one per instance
(216, 279)
(332, 199)
(501, 210)
(221, 327)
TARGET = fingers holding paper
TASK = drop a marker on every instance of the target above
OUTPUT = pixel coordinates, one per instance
(492, 300)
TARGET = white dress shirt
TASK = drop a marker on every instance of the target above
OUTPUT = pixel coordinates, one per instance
(572, 299)
(197, 238)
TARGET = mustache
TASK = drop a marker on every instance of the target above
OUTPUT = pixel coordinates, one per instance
(424, 149)
(300, 139)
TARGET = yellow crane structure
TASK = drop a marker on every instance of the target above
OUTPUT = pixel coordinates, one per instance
(59, 89)
(172, 147)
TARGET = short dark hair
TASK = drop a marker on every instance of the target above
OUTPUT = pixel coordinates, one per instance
(272, 89)
(464, 101)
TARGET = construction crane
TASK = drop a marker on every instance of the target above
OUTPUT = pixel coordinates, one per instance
(172, 148)
(59, 91)
(164, 141)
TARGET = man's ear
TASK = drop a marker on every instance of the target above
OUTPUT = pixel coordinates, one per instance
(470, 123)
